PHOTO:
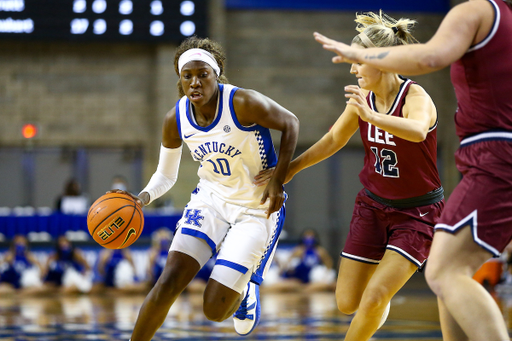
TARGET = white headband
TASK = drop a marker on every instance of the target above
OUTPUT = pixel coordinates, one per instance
(201, 55)
(364, 38)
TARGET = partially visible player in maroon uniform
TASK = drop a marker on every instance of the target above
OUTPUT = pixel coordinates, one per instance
(477, 223)
(394, 215)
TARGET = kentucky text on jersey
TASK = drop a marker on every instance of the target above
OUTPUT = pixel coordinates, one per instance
(215, 147)
(376, 135)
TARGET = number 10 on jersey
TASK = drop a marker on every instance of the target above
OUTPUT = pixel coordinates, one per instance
(221, 166)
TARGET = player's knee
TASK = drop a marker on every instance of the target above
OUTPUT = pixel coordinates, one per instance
(170, 283)
(213, 313)
(374, 300)
(346, 304)
(433, 276)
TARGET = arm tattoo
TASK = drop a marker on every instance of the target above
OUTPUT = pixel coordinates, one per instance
(379, 56)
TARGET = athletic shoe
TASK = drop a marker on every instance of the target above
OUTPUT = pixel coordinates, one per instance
(384, 315)
(248, 314)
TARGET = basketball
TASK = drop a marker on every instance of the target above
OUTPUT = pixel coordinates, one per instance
(115, 221)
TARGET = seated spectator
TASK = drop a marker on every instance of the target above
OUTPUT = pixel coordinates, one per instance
(72, 201)
(117, 271)
(19, 269)
(67, 269)
(161, 241)
(119, 182)
(158, 257)
(309, 268)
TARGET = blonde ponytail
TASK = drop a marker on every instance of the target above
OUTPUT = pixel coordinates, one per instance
(381, 30)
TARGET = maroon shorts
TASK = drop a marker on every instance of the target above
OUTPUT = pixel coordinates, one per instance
(376, 227)
(483, 198)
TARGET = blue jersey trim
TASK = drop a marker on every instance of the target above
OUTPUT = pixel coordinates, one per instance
(487, 136)
(201, 235)
(233, 114)
(217, 119)
(178, 121)
(267, 151)
(257, 276)
(232, 265)
(268, 146)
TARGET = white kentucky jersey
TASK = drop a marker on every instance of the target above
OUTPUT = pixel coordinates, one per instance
(230, 154)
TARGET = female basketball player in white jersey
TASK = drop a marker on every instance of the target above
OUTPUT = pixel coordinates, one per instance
(394, 215)
(227, 130)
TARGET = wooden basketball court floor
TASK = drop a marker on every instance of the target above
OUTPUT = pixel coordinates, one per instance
(285, 316)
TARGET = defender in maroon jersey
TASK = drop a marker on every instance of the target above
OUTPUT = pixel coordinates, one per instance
(394, 215)
(477, 222)
(402, 197)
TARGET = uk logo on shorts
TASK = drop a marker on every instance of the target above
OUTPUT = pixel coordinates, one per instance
(194, 217)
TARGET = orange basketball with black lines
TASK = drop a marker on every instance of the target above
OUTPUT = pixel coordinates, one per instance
(115, 221)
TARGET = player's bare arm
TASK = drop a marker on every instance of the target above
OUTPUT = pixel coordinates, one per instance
(170, 133)
(251, 107)
(170, 139)
(330, 143)
(466, 24)
(419, 113)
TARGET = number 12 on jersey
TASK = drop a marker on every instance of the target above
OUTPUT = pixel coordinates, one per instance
(385, 162)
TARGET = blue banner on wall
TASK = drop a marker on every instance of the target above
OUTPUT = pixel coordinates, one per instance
(437, 6)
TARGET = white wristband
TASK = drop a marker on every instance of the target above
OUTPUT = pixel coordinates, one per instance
(166, 173)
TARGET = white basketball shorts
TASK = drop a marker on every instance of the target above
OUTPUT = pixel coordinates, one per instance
(243, 238)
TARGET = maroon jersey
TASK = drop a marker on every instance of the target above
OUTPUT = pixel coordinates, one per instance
(483, 79)
(395, 168)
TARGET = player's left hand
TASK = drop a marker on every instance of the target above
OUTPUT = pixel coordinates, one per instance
(263, 177)
(275, 194)
(345, 53)
(359, 101)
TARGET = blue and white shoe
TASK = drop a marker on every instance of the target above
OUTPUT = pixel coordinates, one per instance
(384, 315)
(248, 314)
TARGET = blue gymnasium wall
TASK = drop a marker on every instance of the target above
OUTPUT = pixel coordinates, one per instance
(56, 224)
(432, 6)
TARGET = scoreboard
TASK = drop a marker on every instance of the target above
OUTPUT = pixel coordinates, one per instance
(103, 20)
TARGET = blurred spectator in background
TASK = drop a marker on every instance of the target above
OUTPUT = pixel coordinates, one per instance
(158, 257)
(19, 268)
(67, 269)
(72, 201)
(309, 267)
(117, 271)
(119, 182)
(161, 241)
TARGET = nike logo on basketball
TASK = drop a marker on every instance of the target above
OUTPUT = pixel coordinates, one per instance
(128, 235)
(187, 136)
(423, 214)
